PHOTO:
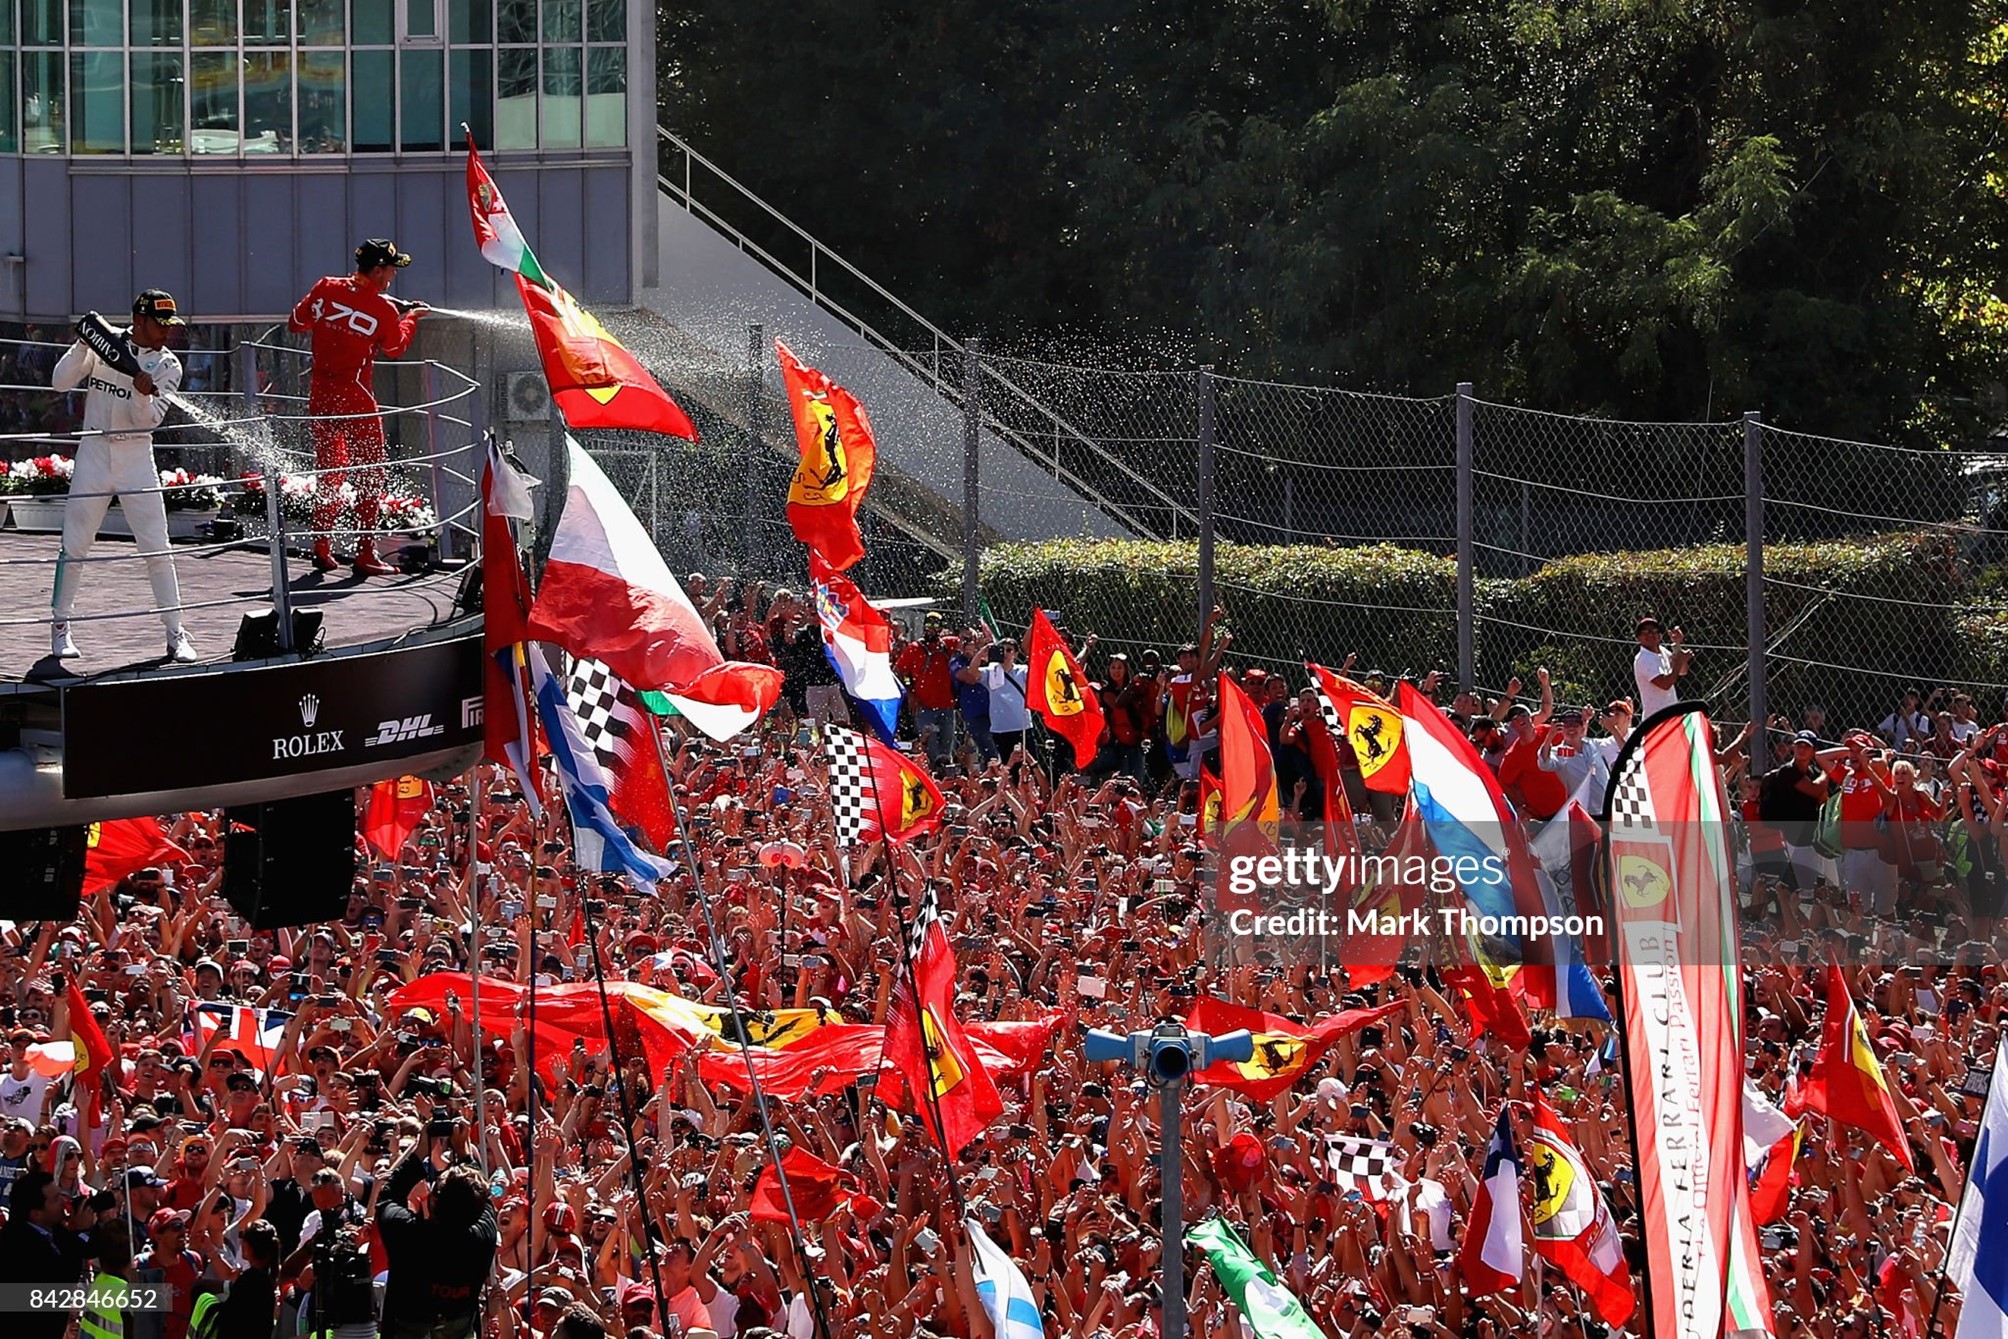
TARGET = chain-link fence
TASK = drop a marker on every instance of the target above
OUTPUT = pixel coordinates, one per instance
(1484, 540)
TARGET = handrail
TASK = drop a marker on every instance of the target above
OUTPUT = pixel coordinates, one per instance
(272, 458)
(943, 342)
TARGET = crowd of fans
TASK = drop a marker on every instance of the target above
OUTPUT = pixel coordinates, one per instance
(348, 1183)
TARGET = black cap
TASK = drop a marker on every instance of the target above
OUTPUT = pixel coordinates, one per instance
(380, 251)
(157, 304)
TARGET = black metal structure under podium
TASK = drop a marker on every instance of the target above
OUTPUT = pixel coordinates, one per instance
(1166, 1056)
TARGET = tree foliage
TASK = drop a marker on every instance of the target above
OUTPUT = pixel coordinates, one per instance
(1652, 208)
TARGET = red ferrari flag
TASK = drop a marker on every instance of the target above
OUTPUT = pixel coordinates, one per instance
(596, 382)
(1846, 1083)
(1370, 724)
(1284, 1051)
(838, 457)
(392, 814)
(877, 790)
(121, 846)
(94, 1054)
(817, 1188)
(1573, 1226)
(1058, 691)
(939, 1076)
(1249, 808)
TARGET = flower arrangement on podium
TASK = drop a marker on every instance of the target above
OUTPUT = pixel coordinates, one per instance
(34, 491)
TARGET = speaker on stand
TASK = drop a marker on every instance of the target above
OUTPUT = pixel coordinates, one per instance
(289, 863)
(42, 873)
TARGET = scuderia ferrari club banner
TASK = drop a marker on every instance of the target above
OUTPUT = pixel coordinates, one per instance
(1673, 887)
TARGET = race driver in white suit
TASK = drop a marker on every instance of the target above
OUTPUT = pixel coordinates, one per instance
(115, 456)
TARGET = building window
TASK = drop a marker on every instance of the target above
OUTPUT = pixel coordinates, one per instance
(42, 106)
(97, 102)
(233, 78)
(157, 92)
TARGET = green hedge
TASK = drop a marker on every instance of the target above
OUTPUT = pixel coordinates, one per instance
(1899, 606)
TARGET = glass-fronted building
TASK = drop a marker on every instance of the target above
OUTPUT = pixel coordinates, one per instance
(234, 150)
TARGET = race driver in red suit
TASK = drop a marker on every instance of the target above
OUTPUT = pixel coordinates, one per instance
(352, 321)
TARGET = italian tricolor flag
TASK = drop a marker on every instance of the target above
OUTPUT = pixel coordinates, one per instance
(502, 243)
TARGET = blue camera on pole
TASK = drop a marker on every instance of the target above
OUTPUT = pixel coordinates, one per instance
(1166, 1056)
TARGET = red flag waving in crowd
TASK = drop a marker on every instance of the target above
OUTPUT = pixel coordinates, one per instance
(1846, 1083)
(119, 846)
(1284, 1051)
(838, 456)
(927, 1051)
(392, 814)
(875, 789)
(1058, 691)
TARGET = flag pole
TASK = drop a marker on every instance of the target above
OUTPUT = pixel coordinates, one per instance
(740, 1030)
(1945, 1265)
(1619, 963)
(905, 939)
(617, 1080)
(476, 791)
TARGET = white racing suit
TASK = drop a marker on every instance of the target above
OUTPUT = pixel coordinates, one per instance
(115, 456)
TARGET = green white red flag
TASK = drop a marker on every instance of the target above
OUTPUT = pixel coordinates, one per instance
(1674, 898)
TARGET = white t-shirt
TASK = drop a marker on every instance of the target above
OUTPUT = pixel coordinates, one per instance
(1007, 705)
(1648, 665)
(1901, 727)
(23, 1097)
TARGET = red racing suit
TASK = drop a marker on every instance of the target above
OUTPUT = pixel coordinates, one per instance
(351, 324)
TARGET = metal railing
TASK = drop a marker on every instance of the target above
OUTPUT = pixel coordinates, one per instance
(1045, 444)
(249, 423)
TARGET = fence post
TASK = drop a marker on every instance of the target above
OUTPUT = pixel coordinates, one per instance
(1207, 434)
(428, 380)
(1753, 573)
(1467, 626)
(750, 502)
(972, 440)
(275, 516)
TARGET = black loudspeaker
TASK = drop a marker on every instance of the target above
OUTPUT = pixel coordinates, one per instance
(258, 634)
(289, 863)
(42, 873)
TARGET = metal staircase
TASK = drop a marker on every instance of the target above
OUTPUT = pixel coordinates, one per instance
(1059, 448)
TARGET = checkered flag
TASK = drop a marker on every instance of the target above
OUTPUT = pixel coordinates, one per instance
(1363, 1165)
(852, 798)
(1631, 802)
(595, 693)
(1329, 710)
(926, 915)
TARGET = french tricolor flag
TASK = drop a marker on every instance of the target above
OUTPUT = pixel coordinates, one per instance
(1491, 1260)
(1470, 823)
(251, 1032)
(858, 641)
(608, 596)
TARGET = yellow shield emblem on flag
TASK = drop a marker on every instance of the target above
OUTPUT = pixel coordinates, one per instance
(824, 476)
(941, 1061)
(1063, 695)
(1375, 734)
(1642, 880)
(1275, 1055)
(916, 801)
(91, 835)
(1554, 1179)
(409, 788)
(1864, 1056)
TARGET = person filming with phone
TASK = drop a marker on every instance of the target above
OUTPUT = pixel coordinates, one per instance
(437, 1224)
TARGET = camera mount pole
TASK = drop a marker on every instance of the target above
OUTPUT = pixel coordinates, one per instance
(1171, 1176)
